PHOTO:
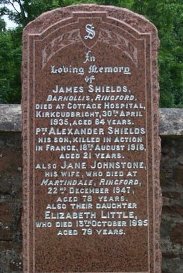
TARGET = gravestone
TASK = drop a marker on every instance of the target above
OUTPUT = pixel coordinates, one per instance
(92, 200)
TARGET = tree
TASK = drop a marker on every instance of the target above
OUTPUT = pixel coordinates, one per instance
(24, 11)
(2, 25)
(167, 15)
(10, 59)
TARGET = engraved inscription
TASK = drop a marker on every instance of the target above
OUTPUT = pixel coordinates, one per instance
(90, 29)
(93, 131)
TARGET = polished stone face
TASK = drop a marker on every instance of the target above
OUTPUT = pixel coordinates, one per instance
(91, 148)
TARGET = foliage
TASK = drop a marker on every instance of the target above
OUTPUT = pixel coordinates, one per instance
(10, 59)
(22, 12)
(167, 15)
(2, 25)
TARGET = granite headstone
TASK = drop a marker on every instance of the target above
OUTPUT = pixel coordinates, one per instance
(92, 200)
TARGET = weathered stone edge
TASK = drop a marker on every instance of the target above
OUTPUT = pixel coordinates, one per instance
(171, 119)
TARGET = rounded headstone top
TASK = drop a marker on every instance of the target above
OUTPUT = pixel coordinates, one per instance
(48, 19)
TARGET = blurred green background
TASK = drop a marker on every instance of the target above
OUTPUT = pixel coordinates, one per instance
(167, 16)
